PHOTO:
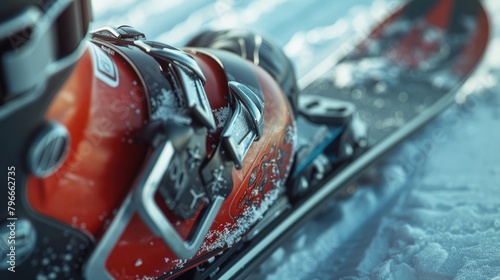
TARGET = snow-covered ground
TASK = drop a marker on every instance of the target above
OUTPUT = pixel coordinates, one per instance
(435, 212)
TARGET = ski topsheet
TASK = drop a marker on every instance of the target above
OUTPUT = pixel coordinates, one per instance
(400, 76)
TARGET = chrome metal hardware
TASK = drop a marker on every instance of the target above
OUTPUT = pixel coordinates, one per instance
(171, 55)
(252, 102)
(123, 32)
(189, 75)
(150, 212)
(246, 123)
(185, 67)
(141, 199)
(196, 98)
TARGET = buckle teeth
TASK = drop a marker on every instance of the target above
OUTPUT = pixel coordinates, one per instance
(253, 104)
(172, 55)
(196, 99)
(184, 67)
(246, 124)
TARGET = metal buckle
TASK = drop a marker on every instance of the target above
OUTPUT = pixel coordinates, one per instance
(141, 199)
(246, 123)
(170, 54)
(144, 202)
(185, 67)
(253, 104)
(122, 32)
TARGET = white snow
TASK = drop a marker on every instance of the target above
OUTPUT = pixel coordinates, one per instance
(232, 233)
(222, 115)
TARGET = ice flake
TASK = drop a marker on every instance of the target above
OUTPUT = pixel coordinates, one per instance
(232, 233)
(429, 260)
(166, 107)
(179, 263)
(222, 115)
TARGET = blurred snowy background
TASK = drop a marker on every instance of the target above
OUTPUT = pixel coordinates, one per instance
(435, 212)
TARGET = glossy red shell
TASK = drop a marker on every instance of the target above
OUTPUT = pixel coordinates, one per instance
(104, 159)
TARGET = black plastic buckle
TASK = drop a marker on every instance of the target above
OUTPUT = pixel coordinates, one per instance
(326, 110)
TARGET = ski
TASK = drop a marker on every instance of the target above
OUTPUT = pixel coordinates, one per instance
(433, 46)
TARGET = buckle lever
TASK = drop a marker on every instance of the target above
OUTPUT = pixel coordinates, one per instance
(150, 212)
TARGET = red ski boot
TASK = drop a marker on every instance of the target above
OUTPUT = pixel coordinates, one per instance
(148, 161)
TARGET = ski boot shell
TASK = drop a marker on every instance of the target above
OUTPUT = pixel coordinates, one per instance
(128, 115)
